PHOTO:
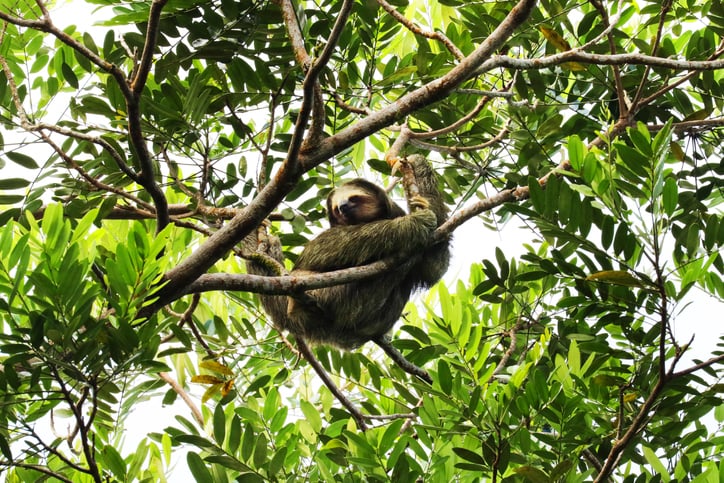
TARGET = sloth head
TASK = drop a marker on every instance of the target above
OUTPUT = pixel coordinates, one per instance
(359, 201)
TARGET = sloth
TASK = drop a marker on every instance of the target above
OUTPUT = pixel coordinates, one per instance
(365, 226)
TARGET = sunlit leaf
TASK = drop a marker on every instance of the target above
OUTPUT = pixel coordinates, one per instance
(617, 277)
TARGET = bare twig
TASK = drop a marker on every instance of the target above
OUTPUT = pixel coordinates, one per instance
(416, 29)
(665, 7)
(512, 334)
(77, 411)
(166, 377)
(647, 100)
(620, 90)
(39, 468)
(702, 365)
(317, 366)
(386, 344)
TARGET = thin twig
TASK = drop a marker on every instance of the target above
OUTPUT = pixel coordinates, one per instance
(317, 366)
(195, 411)
(386, 344)
(412, 27)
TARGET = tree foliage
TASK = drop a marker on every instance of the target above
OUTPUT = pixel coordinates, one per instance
(137, 155)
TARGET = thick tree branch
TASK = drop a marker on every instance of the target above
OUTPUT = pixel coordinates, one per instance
(144, 68)
(287, 284)
(147, 174)
(312, 102)
(598, 59)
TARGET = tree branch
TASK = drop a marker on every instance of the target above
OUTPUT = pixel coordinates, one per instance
(620, 90)
(699, 366)
(154, 17)
(309, 356)
(288, 284)
(39, 469)
(575, 55)
(146, 176)
(46, 25)
(409, 25)
(166, 377)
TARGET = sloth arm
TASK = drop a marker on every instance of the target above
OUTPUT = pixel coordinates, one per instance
(355, 245)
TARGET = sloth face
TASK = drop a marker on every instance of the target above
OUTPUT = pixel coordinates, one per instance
(353, 204)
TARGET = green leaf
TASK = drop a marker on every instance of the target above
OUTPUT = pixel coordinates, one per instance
(311, 415)
(5, 448)
(444, 376)
(260, 450)
(198, 468)
(576, 152)
(13, 183)
(468, 455)
(536, 195)
(533, 475)
(69, 75)
(198, 441)
(219, 424)
(114, 461)
(655, 463)
(228, 462)
(22, 159)
(670, 196)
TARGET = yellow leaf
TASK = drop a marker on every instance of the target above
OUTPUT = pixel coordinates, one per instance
(699, 115)
(206, 379)
(615, 277)
(575, 66)
(608, 380)
(677, 151)
(209, 393)
(227, 387)
(555, 39)
(215, 366)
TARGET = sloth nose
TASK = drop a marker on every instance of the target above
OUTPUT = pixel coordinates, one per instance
(345, 207)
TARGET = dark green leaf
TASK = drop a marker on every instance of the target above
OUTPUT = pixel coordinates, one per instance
(22, 159)
(198, 468)
(13, 183)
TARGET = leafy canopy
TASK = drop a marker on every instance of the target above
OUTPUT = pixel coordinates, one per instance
(138, 153)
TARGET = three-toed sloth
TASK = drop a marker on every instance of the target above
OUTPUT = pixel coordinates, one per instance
(366, 226)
